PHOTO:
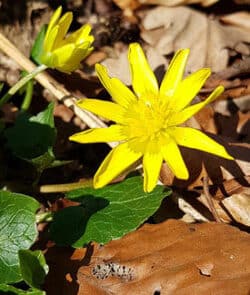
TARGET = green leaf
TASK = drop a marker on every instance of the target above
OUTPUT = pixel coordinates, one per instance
(32, 138)
(17, 231)
(38, 45)
(105, 214)
(33, 267)
(10, 290)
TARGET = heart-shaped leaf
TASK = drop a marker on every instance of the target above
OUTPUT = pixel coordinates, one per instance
(105, 214)
(33, 267)
(17, 231)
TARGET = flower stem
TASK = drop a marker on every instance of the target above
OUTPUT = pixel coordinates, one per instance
(28, 96)
(21, 83)
(65, 187)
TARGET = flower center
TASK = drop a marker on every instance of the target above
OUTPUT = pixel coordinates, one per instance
(146, 120)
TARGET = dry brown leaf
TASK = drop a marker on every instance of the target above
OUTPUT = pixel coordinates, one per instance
(169, 29)
(119, 67)
(179, 2)
(241, 19)
(242, 103)
(238, 205)
(95, 57)
(233, 186)
(134, 4)
(218, 169)
(127, 4)
(242, 1)
(171, 258)
(186, 206)
(222, 207)
(220, 210)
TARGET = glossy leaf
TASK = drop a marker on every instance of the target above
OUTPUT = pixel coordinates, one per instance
(17, 231)
(105, 214)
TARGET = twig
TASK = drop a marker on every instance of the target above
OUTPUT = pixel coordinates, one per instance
(51, 84)
(209, 199)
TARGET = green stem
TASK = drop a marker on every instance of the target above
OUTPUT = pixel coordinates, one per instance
(28, 96)
(66, 187)
(21, 83)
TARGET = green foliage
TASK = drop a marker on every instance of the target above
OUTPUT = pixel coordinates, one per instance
(32, 138)
(17, 231)
(105, 214)
(10, 290)
(38, 45)
(33, 267)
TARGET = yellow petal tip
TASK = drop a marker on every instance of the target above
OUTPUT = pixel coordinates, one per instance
(148, 189)
(98, 184)
(183, 175)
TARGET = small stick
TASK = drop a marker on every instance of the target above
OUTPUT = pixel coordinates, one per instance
(209, 199)
(51, 84)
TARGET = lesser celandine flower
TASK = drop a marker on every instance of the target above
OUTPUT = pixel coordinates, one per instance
(59, 51)
(65, 52)
(148, 120)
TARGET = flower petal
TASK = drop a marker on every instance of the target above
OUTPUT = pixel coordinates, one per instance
(86, 46)
(189, 87)
(174, 73)
(84, 33)
(61, 57)
(106, 109)
(118, 91)
(151, 167)
(49, 43)
(173, 158)
(116, 162)
(64, 24)
(78, 54)
(143, 79)
(112, 133)
(53, 21)
(80, 36)
(195, 139)
(188, 112)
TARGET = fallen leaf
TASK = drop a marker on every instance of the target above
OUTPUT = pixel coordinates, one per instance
(171, 258)
(134, 4)
(190, 210)
(241, 19)
(218, 169)
(242, 1)
(127, 4)
(220, 210)
(95, 57)
(167, 258)
(119, 67)
(233, 186)
(168, 29)
(238, 205)
(179, 2)
(242, 103)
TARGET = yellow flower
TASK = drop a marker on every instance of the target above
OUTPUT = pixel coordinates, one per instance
(147, 119)
(65, 53)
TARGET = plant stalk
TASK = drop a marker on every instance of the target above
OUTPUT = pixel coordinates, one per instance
(21, 83)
